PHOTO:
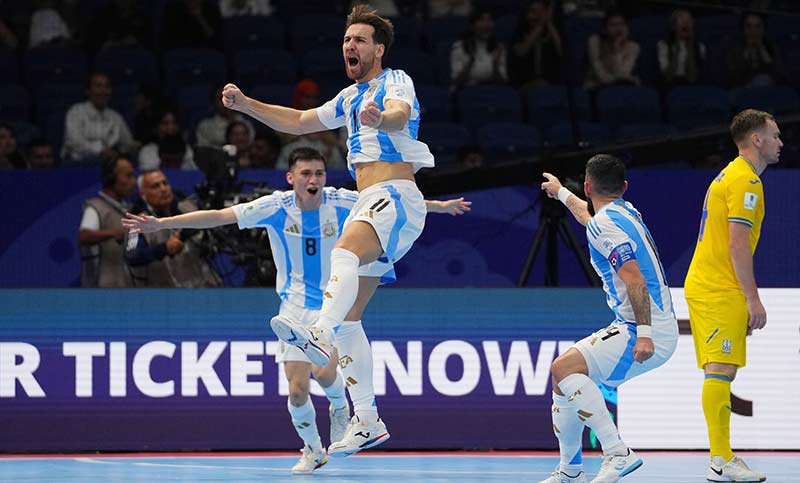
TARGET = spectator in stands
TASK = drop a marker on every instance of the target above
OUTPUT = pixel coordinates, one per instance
(92, 129)
(470, 156)
(446, 8)
(265, 149)
(238, 135)
(150, 103)
(212, 130)
(8, 39)
(10, 157)
(385, 8)
(117, 23)
(48, 25)
(612, 55)
(236, 8)
(190, 24)
(478, 58)
(681, 56)
(754, 61)
(101, 233)
(151, 156)
(167, 258)
(41, 155)
(536, 48)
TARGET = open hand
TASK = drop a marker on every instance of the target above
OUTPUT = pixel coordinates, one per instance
(456, 206)
(140, 223)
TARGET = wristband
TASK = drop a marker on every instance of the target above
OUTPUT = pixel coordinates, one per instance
(644, 331)
(563, 195)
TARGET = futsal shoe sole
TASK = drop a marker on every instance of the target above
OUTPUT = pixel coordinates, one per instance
(300, 337)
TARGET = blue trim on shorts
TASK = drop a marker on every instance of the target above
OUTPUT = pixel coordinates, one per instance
(626, 361)
(399, 223)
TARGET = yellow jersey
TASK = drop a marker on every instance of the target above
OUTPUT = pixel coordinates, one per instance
(736, 195)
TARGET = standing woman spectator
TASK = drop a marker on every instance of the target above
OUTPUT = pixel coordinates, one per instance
(681, 56)
(612, 55)
(536, 48)
(478, 58)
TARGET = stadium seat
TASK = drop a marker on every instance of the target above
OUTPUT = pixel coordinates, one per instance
(129, 64)
(315, 32)
(54, 130)
(264, 65)
(483, 104)
(281, 94)
(49, 64)
(446, 30)
(194, 105)
(690, 107)
(418, 64)
(775, 100)
(435, 102)
(444, 140)
(591, 134)
(508, 141)
(549, 105)
(628, 104)
(252, 32)
(15, 103)
(184, 67)
(638, 131)
(406, 33)
(51, 98)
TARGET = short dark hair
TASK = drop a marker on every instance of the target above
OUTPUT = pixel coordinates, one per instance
(305, 154)
(748, 121)
(384, 30)
(607, 174)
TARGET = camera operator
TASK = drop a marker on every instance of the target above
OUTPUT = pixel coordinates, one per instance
(169, 258)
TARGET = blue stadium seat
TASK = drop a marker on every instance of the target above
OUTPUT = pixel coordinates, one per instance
(639, 131)
(628, 104)
(264, 65)
(442, 54)
(591, 134)
(184, 67)
(577, 30)
(549, 105)
(775, 100)
(128, 64)
(435, 102)
(325, 66)
(252, 32)
(505, 25)
(690, 107)
(49, 64)
(316, 31)
(51, 98)
(123, 100)
(418, 64)
(479, 105)
(508, 141)
(446, 30)
(194, 104)
(406, 33)
(15, 103)
(444, 140)
(9, 66)
(281, 94)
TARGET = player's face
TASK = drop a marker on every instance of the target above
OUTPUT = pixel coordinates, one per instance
(156, 190)
(770, 143)
(361, 54)
(307, 177)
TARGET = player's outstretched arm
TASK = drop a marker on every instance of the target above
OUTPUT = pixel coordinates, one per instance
(279, 118)
(454, 207)
(576, 206)
(636, 285)
(194, 219)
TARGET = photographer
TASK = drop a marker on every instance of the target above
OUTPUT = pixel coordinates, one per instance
(168, 258)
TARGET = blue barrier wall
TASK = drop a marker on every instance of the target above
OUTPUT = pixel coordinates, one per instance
(488, 247)
(466, 368)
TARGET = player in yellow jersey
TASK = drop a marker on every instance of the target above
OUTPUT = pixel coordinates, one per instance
(724, 306)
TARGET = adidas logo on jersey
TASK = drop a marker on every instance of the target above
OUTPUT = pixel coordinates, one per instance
(292, 229)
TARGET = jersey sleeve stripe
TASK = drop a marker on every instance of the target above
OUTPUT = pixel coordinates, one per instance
(743, 221)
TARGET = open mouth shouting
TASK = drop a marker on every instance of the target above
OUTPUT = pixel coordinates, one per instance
(313, 190)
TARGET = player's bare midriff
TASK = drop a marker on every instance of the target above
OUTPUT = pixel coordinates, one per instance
(368, 174)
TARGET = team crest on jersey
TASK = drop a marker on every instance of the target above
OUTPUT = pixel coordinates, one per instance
(727, 345)
(329, 229)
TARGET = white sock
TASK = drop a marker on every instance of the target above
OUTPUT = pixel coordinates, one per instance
(304, 420)
(335, 393)
(569, 431)
(355, 360)
(342, 289)
(590, 407)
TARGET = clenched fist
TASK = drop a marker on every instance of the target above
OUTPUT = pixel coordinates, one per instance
(233, 98)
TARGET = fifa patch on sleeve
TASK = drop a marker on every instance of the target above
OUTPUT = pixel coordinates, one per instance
(750, 200)
(620, 255)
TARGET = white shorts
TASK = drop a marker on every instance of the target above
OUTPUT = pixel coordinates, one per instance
(609, 352)
(396, 210)
(301, 315)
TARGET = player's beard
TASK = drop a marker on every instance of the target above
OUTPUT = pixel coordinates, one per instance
(590, 205)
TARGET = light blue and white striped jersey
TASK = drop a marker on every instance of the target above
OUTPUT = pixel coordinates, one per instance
(301, 241)
(616, 235)
(366, 144)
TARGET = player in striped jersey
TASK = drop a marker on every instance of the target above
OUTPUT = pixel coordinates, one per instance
(303, 225)
(642, 337)
(382, 115)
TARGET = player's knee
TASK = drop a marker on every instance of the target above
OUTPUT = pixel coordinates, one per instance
(325, 375)
(298, 393)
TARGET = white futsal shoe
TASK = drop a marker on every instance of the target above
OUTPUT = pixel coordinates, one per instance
(734, 470)
(559, 476)
(315, 342)
(339, 420)
(309, 461)
(615, 467)
(360, 435)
